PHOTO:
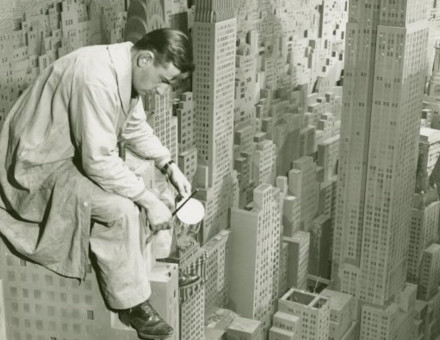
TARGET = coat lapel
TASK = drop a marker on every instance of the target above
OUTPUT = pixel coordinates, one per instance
(121, 59)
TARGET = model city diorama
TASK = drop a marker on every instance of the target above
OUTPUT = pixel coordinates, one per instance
(311, 129)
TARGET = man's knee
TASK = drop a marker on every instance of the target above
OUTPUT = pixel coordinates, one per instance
(113, 207)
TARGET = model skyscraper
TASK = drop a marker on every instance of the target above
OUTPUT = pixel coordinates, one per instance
(214, 35)
(255, 240)
(383, 89)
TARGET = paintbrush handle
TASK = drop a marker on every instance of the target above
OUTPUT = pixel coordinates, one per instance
(180, 206)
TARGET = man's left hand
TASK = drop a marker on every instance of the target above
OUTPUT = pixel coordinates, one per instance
(179, 180)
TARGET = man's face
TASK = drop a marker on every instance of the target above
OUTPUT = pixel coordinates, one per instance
(151, 77)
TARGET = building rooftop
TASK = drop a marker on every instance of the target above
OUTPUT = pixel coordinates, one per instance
(300, 297)
(433, 248)
(279, 330)
(214, 334)
(213, 242)
(429, 135)
(298, 236)
(244, 325)
(331, 140)
(287, 317)
(338, 300)
(304, 298)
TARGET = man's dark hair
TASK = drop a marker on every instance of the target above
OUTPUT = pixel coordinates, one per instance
(168, 45)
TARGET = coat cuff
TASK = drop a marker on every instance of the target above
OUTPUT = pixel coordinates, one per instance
(161, 162)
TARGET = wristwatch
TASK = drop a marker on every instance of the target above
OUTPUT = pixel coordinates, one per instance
(164, 169)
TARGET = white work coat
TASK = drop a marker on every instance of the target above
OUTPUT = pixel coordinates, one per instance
(59, 139)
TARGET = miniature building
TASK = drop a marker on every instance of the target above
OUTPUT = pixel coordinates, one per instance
(342, 315)
(379, 150)
(244, 329)
(217, 322)
(434, 83)
(255, 240)
(298, 259)
(320, 247)
(217, 279)
(427, 317)
(423, 229)
(285, 327)
(165, 294)
(312, 309)
(291, 215)
(328, 154)
(392, 321)
(429, 273)
(245, 83)
(144, 16)
(36, 303)
(283, 285)
(429, 152)
(162, 121)
(191, 260)
(264, 163)
(431, 101)
(184, 111)
(214, 35)
(303, 184)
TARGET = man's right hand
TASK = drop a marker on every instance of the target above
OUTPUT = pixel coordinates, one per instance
(159, 217)
(158, 214)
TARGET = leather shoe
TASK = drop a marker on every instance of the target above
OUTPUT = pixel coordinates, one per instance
(146, 321)
(186, 280)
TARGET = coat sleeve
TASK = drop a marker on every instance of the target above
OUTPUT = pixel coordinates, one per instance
(94, 109)
(140, 138)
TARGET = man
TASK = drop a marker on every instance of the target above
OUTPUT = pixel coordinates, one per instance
(60, 169)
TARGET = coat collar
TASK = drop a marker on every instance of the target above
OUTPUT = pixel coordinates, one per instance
(121, 58)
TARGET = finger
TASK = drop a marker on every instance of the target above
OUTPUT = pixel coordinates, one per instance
(170, 224)
(188, 189)
(185, 190)
(165, 226)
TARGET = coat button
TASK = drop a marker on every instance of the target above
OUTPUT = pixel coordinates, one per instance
(86, 204)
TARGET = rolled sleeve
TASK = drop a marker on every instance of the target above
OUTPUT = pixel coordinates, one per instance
(94, 116)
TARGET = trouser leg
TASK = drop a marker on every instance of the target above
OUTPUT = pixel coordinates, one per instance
(116, 242)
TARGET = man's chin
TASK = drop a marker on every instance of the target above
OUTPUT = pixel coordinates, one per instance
(148, 93)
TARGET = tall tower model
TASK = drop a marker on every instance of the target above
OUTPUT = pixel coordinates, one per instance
(434, 83)
(214, 35)
(382, 97)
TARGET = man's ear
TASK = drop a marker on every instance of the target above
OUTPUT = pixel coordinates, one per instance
(144, 58)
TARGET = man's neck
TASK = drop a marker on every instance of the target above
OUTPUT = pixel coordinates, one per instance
(134, 93)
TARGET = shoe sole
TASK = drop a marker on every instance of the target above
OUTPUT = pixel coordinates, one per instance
(154, 337)
(143, 336)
